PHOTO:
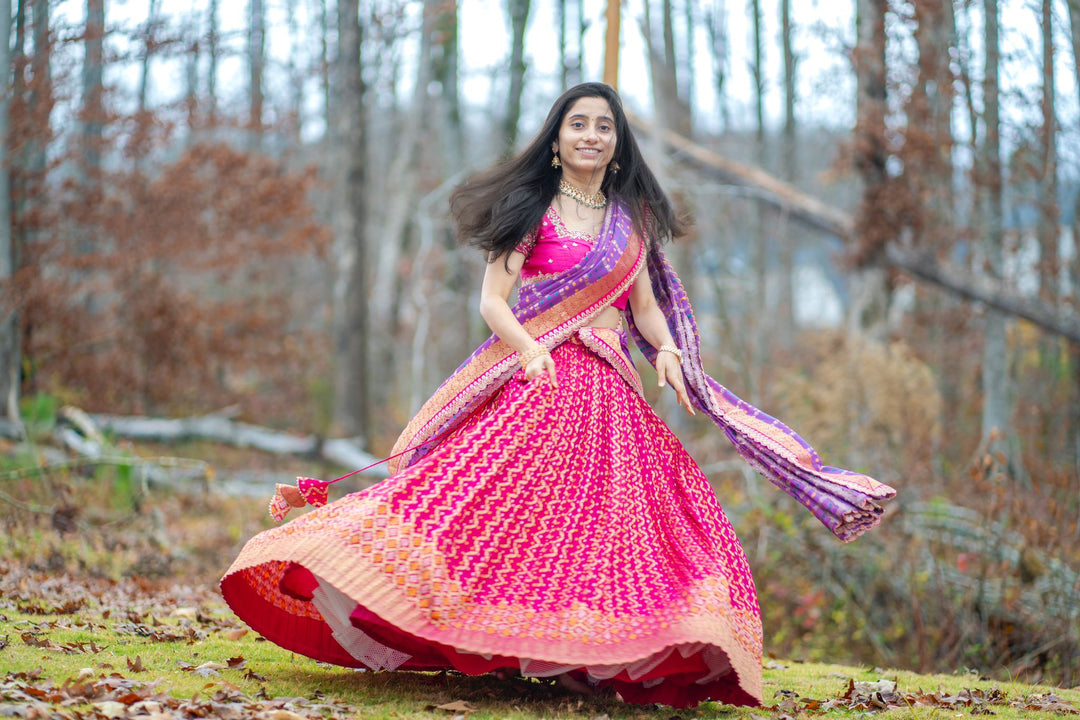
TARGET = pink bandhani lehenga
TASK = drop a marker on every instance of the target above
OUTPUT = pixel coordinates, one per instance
(547, 529)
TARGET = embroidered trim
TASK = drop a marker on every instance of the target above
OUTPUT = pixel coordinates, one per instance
(564, 232)
(597, 340)
(532, 279)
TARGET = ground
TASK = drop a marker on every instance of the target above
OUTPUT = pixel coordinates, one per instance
(109, 609)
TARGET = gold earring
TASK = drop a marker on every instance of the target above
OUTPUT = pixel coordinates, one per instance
(555, 161)
(615, 167)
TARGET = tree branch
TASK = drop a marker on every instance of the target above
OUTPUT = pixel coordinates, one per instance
(1061, 320)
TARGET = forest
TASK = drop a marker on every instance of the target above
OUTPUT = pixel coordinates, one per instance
(241, 210)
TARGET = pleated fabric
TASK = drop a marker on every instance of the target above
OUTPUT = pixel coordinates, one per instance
(558, 530)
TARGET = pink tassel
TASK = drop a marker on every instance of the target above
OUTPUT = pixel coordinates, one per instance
(316, 492)
(279, 506)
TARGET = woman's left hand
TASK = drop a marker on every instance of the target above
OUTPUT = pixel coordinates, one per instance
(669, 372)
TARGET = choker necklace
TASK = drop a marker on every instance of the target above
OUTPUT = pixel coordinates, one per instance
(596, 201)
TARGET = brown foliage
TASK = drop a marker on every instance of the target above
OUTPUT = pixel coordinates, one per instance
(870, 404)
(172, 292)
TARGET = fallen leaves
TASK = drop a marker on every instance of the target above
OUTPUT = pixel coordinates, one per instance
(118, 698)
(884, 695)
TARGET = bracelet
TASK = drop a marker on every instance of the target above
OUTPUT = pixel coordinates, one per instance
(673, 350)
(529, 355)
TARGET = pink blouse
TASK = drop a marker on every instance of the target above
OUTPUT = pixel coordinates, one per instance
(554, 248)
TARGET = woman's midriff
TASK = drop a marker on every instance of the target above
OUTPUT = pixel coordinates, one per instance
(609, 317)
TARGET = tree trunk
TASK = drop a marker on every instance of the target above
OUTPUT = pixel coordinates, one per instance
(716, 24)
(785, 330)
(351, 296)
(445, 66)
(519, 19)
(871, 295)
(142, 121)
(211, 70)
(1047, 229)
(10, 358)
(763, 242)
(670, 109)
(1074, 267)
(564, 67)
(93, 110)
(256, 65)
(148, 50)
(687, 72)
(997, 407)
(296, 79)
(324, 65)
(398, 207)
(191, 72)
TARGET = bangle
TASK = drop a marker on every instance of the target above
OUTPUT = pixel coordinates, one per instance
(673, 350)
(529, 355)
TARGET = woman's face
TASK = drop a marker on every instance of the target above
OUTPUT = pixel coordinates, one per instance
(586, 142)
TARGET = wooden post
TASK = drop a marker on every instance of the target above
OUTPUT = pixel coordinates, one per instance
(611, 49)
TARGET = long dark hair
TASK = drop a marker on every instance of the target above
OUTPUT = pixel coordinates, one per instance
(496, 208)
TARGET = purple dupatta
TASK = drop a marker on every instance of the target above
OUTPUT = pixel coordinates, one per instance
(846, 502)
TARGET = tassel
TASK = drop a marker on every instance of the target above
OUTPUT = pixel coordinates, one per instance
(316, 492)
(287, 497)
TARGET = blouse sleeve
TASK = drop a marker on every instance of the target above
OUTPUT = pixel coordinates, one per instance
(526, 245)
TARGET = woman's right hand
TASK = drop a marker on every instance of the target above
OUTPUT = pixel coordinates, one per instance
(539, 365)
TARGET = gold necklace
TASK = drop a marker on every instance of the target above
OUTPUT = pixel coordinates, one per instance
(596, 201)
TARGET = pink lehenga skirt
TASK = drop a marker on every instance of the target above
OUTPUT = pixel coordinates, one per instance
(559, 529)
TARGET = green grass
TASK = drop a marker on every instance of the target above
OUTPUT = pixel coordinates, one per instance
(97, 646)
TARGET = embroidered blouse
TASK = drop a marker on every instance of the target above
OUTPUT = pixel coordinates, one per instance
(553, 248)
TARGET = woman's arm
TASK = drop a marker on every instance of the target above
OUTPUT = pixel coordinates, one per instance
(495, 292)
(652, 325)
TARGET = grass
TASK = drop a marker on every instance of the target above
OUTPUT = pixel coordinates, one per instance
(129, 590)
(96, 639)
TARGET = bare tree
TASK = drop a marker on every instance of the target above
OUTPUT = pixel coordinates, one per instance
(142, 118)
(351, 296)
(717, 26)
(519, 19)
(762, 241)
(10, 357)
(688, 63)
(790, 171)
(997, 408)
(191, 76)
(444, 68)
(1048, 224)
(211, 70)
(93, 109)
(149, 45)
(324, 64)
(397, 209)
(1074, 267)
(671, 109)
(296, 77)
(564, 67)
(871, 294)
(256, 67)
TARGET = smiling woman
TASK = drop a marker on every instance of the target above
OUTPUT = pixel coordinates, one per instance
(540, 517)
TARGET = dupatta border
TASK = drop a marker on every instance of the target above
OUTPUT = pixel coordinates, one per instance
(495, 362)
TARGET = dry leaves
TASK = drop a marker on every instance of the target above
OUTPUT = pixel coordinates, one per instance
(118, 698)
(884, 695)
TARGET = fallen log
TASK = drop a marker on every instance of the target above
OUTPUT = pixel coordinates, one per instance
(341, 451)
(972, 286)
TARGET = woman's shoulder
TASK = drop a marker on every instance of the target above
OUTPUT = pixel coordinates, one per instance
(529, 241)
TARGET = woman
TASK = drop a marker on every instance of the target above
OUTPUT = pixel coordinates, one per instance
(540, 518)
